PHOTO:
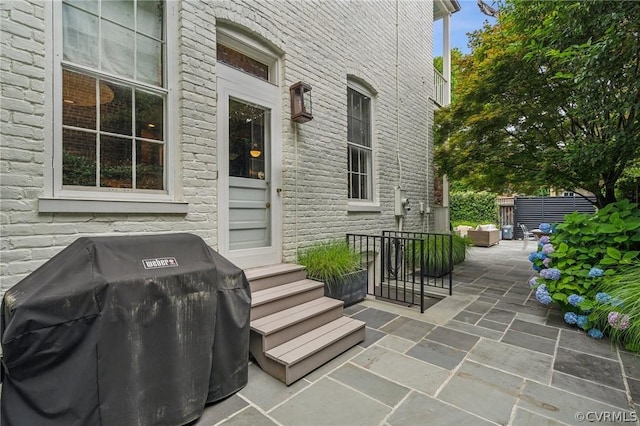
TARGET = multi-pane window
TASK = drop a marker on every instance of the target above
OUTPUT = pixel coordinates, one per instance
(113, 95)
(359, 145)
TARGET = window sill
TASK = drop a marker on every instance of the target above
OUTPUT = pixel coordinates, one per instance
(363, 208)
(66, 205)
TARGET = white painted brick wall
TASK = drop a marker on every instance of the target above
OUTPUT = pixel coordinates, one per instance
(323, 42)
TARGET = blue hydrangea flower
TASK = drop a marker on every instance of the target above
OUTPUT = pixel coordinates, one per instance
(547, 249)
(533, 281)
(533, 256)
(545, 227)
(542, 295)
(550, 274)
(596, 272)
(574, 299)
(570, 318)
(546, 262)
(595, 333)
(536, 268)
(541, 255)
(582, 321)
(602, 297)
(544, 240)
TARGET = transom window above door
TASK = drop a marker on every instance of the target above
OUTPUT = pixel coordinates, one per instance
(242, 62)
(244, 53)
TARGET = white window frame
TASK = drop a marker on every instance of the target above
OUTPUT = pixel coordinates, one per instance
(372, 204)
(58, 199)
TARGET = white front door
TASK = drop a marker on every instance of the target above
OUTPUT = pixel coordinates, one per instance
(249, 169)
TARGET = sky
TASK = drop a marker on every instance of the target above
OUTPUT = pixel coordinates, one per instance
(468, 19)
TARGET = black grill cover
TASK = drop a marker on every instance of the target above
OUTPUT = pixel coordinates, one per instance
(139, 330)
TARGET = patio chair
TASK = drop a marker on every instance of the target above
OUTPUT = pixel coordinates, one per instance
(526, 236)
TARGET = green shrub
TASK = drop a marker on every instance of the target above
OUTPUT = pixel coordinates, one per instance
(608, 239)
(585, 254)
(473, 207)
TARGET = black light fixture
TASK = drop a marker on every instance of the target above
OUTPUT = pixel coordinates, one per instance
(301, 108)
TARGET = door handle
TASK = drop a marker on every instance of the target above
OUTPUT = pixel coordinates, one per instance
(268, 205)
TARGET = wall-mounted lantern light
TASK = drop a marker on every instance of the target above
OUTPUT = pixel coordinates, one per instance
(301, 109)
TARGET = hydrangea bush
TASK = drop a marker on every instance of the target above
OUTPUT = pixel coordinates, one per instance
(580, 255)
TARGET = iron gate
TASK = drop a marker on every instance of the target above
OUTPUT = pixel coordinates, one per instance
(402, 265)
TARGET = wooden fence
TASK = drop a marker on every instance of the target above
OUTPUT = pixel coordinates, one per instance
(506, 210)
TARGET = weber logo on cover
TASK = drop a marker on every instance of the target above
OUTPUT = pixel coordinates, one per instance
(162, 262)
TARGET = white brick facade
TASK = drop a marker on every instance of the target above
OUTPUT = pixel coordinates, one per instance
(324, 44)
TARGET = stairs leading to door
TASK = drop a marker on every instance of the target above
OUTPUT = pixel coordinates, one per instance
(294, 328)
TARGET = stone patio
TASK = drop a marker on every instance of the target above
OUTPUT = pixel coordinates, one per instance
(489, 354)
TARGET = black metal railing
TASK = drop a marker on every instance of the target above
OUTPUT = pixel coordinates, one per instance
(402, 265)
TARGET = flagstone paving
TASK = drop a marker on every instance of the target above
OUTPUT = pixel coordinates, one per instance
(489, 354)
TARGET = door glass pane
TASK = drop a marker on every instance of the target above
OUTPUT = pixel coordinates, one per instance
(246, 140)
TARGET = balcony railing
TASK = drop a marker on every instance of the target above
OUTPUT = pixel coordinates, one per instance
(440, 89)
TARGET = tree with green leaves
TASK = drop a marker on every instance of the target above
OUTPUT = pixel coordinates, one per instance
(548, 97)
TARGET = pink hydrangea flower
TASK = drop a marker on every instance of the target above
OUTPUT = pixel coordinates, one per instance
(618, 321)
(547, 249)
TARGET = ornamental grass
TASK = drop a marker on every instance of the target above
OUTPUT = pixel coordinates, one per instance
(619, 312)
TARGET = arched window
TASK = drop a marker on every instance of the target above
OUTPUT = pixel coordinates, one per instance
(360, 142)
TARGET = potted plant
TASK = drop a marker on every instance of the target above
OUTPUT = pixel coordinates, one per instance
(434, 252)
(338, 267)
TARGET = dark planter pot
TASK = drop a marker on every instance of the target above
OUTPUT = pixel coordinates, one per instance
(436, 271)
(442, 268)
(350, 288)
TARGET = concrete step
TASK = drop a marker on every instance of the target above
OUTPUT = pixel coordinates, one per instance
(273, 275)
(274, 299)
(295, 358)
(277, 328)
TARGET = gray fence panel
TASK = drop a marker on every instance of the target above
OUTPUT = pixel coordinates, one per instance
(531, 211)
